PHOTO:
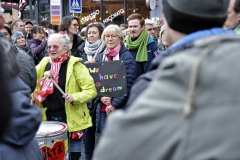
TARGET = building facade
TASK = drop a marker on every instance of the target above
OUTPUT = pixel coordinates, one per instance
(106, 11)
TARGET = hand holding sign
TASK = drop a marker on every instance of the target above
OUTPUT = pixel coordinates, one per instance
(106, 100)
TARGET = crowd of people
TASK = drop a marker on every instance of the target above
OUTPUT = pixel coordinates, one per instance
(181, 84)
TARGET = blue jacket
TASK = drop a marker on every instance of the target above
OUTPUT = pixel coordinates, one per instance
(125, 56)
(151, 48)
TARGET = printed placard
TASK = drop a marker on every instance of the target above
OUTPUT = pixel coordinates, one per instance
(109, 78)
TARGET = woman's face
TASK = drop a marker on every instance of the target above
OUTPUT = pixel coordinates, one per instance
(164, 39)
(5, 33)
(21, 41)
(73, 28)
(93, 34)
(111, 39)
(55, 48)
(39, 35)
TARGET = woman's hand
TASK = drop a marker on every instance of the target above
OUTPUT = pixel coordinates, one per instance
(109, 109)
(68, 97)
(106, 100)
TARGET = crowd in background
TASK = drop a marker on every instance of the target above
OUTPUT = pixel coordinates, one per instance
(52, 70)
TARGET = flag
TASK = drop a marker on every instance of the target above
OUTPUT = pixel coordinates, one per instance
(22, 5)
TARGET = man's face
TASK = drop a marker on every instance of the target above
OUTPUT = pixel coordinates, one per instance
(151, 30)
(134, 28)
(233, 18)
(19, 27)
(28, 28)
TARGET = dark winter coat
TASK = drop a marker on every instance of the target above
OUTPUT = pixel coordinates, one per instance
(77, 41)
(125, 56)
(19, 142)
(28, 71)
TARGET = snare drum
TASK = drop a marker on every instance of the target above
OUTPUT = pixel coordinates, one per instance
(53, 140)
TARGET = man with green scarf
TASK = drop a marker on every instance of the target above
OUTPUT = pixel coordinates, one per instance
(140, 43)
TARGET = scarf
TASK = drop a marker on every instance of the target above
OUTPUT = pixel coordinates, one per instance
(140, 44)
(93, 49)
(111, 55)
(46, 84)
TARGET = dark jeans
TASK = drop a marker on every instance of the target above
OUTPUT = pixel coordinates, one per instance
(89, 141)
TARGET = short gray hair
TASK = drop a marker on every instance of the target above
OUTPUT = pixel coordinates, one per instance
(63, 38)
(113, 28)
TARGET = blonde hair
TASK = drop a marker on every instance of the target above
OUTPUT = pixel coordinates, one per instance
(113, 28)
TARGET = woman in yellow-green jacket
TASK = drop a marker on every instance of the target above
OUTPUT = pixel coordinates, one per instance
(74, 80)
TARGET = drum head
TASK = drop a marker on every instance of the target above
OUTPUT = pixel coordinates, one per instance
(51, 128)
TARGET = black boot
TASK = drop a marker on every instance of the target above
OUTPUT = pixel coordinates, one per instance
(75, 155)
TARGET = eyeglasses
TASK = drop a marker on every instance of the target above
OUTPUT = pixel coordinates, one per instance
(75, 25)
(53, 47)
(112, 36)
(151, 29)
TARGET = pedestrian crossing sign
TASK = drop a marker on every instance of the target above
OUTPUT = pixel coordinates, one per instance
(75, 6)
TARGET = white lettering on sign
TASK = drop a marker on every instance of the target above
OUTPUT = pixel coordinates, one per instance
(90, 17)
(41, 143)
(55, 2)
(114, 15)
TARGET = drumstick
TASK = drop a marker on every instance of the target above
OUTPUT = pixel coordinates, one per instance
(57, 86)
(48, 75)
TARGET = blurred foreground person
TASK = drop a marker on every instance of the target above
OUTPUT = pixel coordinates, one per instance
(6, 31)
(181, 114)
(67, 104)
(18, 138)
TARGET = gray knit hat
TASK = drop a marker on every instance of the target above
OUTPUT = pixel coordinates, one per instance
(188, 16)
(15, 36)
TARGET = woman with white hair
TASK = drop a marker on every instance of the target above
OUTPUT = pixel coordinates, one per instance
(77, 84)
(115, 50)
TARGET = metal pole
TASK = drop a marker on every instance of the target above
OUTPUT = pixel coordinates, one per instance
(36, 13)
(101, 10)
(125, 11)
(31, 12)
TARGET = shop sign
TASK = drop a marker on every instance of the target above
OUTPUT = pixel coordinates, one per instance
(90, 17)
(114, 15)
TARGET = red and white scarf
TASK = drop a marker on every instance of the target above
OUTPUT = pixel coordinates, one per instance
(45, 84)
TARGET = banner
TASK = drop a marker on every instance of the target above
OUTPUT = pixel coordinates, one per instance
(109, 78)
